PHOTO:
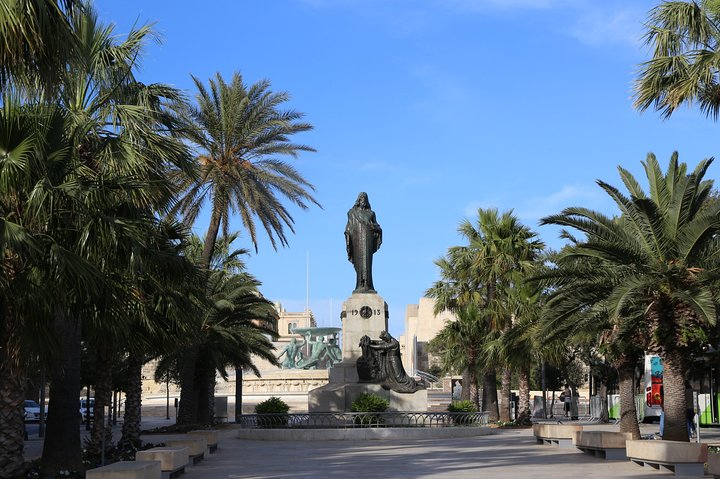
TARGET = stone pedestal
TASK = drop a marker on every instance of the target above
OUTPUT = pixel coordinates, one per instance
(362, 314)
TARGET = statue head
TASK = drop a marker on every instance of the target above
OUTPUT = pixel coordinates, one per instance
(362, 201)
(384, 335)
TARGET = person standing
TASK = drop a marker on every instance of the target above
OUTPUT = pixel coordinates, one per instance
(567, 399)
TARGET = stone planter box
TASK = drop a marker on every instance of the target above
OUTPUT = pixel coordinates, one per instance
(561, 435)
(713, 464)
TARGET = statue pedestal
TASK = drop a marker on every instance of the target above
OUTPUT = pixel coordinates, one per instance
(362, 314)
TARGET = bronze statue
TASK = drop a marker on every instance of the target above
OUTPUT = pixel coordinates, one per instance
(381, 363)
(363, 237)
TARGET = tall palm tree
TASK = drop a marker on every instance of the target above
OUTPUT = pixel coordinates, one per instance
(685, 63)
(499, 252)
(117, 134)
(241, 135)
(459, 346)
(458, 294)
(664, 249)
(29, 136)
(577, 313)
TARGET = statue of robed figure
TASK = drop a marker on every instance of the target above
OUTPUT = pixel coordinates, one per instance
(363, 237)
(381, 363)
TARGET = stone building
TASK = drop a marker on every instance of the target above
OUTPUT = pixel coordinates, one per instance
(421, 325)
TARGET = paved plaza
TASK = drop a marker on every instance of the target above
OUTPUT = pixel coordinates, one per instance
(506, 454)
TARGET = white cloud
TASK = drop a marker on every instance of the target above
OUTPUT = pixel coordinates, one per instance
(607, 25)
(537, 207)
(589, 196)
(484, 5)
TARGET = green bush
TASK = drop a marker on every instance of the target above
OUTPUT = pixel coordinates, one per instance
(273, 405)
(461, 406)
(368, 402)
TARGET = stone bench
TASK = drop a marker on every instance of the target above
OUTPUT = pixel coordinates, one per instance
(172, 459)
(126, 470)
(560, 435)
(196, 447)
(603, 444)
(210, 435)
(682, 458)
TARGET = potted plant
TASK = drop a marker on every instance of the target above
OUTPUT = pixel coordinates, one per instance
(367, 403)
(273, 412)
(463, 412)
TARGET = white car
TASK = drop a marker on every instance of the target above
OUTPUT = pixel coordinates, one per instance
(32, 411)
(84, 412)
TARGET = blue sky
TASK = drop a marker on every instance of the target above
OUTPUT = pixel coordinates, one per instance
(435, 108)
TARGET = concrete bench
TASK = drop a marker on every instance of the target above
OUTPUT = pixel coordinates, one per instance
(210, 435)
(560, 435)
(682, 458)
(196, 447)
(603, 444)
(172, 459)
(126, 470)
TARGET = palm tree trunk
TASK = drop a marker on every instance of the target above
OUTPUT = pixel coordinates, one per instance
(490, 399)
(524, 411)
(505, 393)
(61, 448)
(206, 388)
(628, 412)
(674, 369)
(467, 381)
(190, 391)
(12, 393)
(188, 412)
(602, 395)
(133, 403)
(101, 432)
(238, 393)
(473, 392)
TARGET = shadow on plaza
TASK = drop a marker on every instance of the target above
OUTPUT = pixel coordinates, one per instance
(499, 455)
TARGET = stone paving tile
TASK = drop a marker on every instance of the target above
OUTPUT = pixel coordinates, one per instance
(507, 455)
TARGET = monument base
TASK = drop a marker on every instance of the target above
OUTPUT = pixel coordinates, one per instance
(362, 314)
(334, 397)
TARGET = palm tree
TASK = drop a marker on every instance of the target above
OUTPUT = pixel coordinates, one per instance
(456, 293)
(168, 290)
(577, 314)
(459, 345)
(664, 251)
(685, 41)
(37, 40)
(241, 135)
(120, 149)
(29, 135)
(499, 252)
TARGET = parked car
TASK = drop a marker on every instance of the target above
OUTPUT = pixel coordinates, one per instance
(86, 413)
(32, 411)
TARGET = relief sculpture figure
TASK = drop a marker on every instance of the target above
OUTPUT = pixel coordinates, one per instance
(381, 363)
(363, 237)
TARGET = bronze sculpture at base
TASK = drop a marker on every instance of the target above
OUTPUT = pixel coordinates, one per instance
(380, 363)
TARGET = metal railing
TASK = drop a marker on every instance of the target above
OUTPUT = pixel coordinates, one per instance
(348, 420)
(430, 378)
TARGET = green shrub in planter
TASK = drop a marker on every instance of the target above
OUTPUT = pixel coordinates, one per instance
(368, 402)
(467, 407)
(275, 411)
